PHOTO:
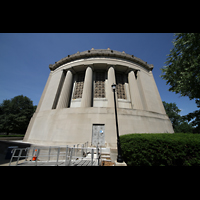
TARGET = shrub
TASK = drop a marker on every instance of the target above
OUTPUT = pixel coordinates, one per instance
(179, 149)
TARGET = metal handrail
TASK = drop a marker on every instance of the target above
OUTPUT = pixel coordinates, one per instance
(13, 151)
(49, 155)
(70, 155)
(28, 149)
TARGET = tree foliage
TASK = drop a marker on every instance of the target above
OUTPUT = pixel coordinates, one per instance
(182, 70)
(15, 114)
(180, 124)
(183, 65)
(196, 123)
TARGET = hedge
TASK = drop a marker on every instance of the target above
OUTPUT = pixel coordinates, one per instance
(179, 149)
(12, 135)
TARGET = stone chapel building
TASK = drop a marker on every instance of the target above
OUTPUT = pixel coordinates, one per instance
(77, 104)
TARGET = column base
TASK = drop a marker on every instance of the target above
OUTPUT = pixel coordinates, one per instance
(120, 164)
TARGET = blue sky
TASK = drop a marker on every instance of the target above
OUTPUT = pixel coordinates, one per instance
(25, 59)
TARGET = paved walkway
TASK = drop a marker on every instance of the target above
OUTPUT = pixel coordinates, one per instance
(60, 163)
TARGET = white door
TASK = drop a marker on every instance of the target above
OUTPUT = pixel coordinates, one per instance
(98, 134)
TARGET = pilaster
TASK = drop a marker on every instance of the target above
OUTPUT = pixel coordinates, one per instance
(141, 90)
(44, 92)
(63, 101)
(162, 109)
(134, 91)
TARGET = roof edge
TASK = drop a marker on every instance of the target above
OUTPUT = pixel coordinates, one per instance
(98, 53)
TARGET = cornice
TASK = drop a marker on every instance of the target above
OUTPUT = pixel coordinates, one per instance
(100, 53)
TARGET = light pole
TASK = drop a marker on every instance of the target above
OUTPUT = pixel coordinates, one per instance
(119, 156)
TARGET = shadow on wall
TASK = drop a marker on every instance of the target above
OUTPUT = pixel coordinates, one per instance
(4, 144)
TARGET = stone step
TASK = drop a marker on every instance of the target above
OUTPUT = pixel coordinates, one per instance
(105, 150)
(105, 160)
(107, 163)
(105, 156)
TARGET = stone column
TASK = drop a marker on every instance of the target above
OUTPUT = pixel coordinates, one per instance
(111, 80)
(134, 91)
(87, 89)
(64, 98)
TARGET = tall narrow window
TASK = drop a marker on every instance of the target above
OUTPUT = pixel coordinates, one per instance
(79, 86)
(99, 90)
(120, 86)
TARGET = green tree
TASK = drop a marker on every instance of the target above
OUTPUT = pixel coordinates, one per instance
(15, 114)
(180, 124)
(184, 127)
(182, 70)
(196, 122)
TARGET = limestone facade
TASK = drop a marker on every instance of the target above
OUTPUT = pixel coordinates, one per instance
(78, 99)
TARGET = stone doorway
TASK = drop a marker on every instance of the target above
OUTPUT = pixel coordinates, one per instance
(98, 134)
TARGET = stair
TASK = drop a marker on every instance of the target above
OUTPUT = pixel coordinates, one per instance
(105, 157)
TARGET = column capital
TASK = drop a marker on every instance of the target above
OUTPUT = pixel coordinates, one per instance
(131, 70)
(109, 66)
(71, 70)
(90, 65)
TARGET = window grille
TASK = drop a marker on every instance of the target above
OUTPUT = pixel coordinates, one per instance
(99, 90)
(79, 86)
(120, 86)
